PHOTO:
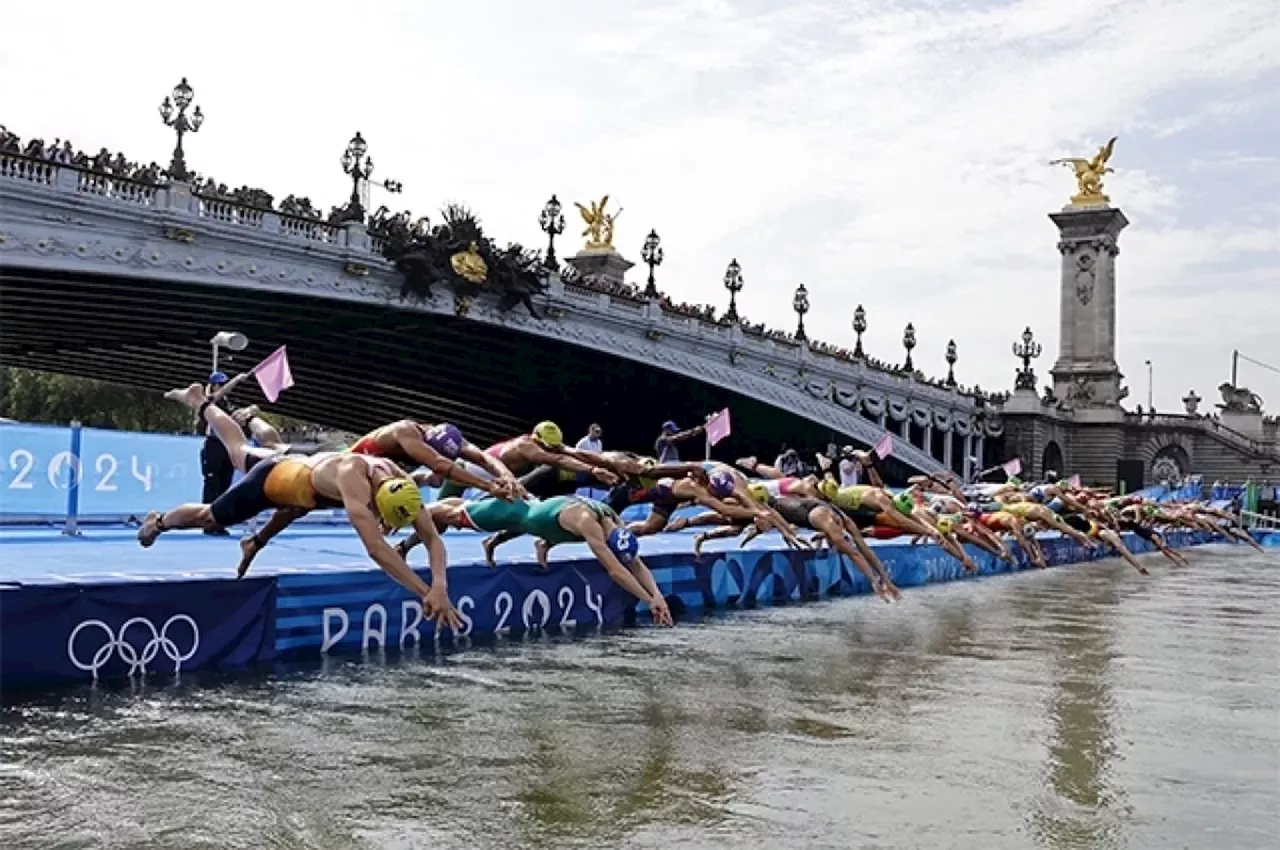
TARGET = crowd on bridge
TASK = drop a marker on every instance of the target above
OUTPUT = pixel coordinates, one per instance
(532, 485)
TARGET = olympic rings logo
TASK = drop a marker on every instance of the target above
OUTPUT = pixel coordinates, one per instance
(128, 651)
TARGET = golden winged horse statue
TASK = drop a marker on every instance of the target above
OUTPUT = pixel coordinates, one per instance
(599, 232)
(1089, 175)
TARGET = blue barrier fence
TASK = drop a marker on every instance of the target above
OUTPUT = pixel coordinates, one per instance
(53, 474)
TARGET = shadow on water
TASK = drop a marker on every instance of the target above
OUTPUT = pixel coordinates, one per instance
(1088, 811)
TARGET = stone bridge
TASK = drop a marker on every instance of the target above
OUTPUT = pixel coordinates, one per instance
(111, 278)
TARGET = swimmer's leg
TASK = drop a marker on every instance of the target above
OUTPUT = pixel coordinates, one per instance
(493, 541)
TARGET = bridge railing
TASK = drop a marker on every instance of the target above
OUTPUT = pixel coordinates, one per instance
(73, 178)
(1203, 423)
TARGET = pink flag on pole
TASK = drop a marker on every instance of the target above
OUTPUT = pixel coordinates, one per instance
(1012, 467)
(273, 374)
(1074, 481)
(718, 427)
(884, 446)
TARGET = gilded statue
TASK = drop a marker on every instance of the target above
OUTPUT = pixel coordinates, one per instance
(1089, 175)
(470, 265)
(599, 232)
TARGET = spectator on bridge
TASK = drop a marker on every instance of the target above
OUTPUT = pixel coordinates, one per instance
(591, 442)
(665, 446)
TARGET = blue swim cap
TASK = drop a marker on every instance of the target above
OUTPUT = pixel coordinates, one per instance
(446, 439)
(721, 484)
(624, 544)
(218, 378)
(669, 427)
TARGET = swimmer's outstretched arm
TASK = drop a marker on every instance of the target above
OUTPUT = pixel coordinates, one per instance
(657, 602)
(496, 468)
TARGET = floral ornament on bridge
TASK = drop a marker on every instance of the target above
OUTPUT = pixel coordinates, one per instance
(457, 253)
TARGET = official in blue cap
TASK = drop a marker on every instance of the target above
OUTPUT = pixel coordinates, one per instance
(215, 463)
(665, 446)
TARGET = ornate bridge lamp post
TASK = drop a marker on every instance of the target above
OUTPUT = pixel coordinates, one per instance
(359, 168)
(800, 303)
(181, 124)
(651, 253)
(1027, 350)
(909, 342)
(859, 328)
(551, 220)
(952, 357)
(733, 283)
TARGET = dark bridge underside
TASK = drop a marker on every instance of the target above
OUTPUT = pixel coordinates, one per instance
(359, 366)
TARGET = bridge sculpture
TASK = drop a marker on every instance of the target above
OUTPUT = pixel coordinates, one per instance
(60, 217)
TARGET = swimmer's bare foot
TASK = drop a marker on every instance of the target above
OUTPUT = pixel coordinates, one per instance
(747, 463)
(698, 540)
(248, 549)
(489, 544)
(151, 528)
(542, 548)
(192, 396)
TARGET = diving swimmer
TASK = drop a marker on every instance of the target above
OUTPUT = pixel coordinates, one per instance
(375, 493)
(562, 519)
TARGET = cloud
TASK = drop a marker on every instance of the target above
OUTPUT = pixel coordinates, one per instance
(891, 153)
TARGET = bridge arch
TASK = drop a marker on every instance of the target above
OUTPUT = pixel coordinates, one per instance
(1051, 458)
(1168, 458)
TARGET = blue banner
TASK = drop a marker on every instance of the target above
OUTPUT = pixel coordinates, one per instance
(37, 469)
(343, 612)
(45, 474)
(130, 473)
(56, 633)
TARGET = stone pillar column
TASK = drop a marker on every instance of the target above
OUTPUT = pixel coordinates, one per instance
(1086, 372)
(606, 264)
(947, 449)
(968, 457)
(977, 450)
(928, 437)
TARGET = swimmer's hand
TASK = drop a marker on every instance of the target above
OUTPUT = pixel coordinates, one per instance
(661, 612)
(437, 608)
(603, 475)
(501, 489)
(517, 489)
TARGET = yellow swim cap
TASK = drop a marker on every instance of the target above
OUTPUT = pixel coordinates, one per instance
(549, 433)
(828, 488)
(759, 492)
(944, 525)
(398, 501)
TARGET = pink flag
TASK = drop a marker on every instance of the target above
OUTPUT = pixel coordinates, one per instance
(884, 446)
(1074, 481)
(273, 374)
(718, 427)
(1012, 467)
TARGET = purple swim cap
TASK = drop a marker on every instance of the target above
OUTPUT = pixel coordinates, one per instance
(446, 439)
(721, 484)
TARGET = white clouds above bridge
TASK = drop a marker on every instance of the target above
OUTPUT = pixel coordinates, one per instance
(888, 152)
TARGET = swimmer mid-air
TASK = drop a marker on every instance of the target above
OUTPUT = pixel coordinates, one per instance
(375, 493)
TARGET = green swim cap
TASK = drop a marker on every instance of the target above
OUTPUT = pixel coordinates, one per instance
(904, 503)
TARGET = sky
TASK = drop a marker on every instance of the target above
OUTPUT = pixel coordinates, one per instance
(889, 153)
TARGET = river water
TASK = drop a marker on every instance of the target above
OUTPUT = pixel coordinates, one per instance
(1082, 707)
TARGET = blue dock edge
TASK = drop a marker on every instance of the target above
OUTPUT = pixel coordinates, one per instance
(81, 627)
